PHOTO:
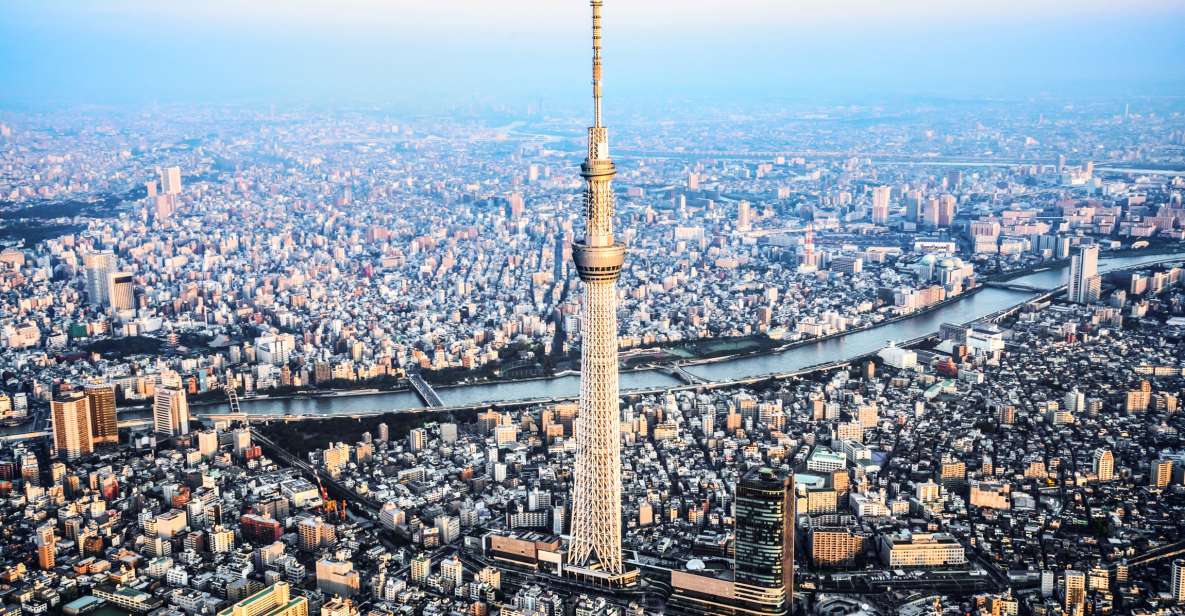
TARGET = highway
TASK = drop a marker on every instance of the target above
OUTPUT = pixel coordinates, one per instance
(368, 505)
(1164, 552)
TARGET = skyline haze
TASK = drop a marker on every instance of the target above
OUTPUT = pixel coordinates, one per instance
(460, 52)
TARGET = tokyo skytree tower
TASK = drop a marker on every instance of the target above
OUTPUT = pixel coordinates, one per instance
(596, 516)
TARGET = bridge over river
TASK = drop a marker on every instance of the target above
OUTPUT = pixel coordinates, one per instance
(991, 302)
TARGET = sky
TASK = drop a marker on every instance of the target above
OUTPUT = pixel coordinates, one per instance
(459, 52)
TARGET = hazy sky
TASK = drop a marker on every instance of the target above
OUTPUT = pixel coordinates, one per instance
(457, 51)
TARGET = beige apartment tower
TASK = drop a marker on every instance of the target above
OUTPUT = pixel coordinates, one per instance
(880, 204)
(71, 418)
(121, 291)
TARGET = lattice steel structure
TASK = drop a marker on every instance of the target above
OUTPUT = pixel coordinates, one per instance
(596, 515)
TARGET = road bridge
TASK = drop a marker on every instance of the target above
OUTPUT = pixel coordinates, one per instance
(424, 390)
(678, 372)
(1016, 286)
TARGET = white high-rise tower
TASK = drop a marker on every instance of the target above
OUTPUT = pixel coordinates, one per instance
(596, 512)
(1084, 284)
(170, 408)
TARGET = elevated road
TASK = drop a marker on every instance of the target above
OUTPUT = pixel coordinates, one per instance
(366, 504)
(1164, 552)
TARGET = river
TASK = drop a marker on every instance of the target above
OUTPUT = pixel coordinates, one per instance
(973, 307)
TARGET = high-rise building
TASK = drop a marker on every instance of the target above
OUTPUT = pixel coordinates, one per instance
(491, 576)
(836, 546)
(170, 180)
(120, 289)
(71, 416)
(452, 571)
(1162, 473)
(880, 205)
(744, 216)
(98, 267)
(517, 205)
(222, 539)
(1074, 592)
(1104, 464)
(807, 261)
(764, 566)
(1084, 286)
(947, 207)
(1075, 401)
(170, 408)
(1178, 580)
(338, 577)
(313, 533)
(596, 515)
(46, 544)
(913, 206)
(930, 212)
(275, 600)
(336, 457)
(104, 422)
(954, 179)
(449, 527)
(421, 568)
(30, 468)
(417, 439)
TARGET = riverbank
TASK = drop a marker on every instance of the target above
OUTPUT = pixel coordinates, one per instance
(1123, 253)
(790, 359)
(665, 367)
(301, 395)
(840, 334)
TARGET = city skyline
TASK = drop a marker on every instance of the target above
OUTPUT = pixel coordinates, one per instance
(872, 309)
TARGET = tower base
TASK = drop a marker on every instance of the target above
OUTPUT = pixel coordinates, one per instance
(602, 579)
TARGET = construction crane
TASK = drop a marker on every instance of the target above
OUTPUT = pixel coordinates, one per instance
(324, 492)
(328, 505)
(336, 509)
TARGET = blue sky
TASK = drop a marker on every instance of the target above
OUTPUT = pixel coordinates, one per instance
(459, 51)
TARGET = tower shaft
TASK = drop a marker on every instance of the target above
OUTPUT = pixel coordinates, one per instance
(596, 514)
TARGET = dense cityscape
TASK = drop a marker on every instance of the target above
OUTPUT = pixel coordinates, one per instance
(915, 358)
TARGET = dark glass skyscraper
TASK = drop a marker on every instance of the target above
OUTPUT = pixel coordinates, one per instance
(104, 423)
(764, 580)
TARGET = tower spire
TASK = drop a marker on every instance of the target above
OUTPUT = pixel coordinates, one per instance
(596, 61)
